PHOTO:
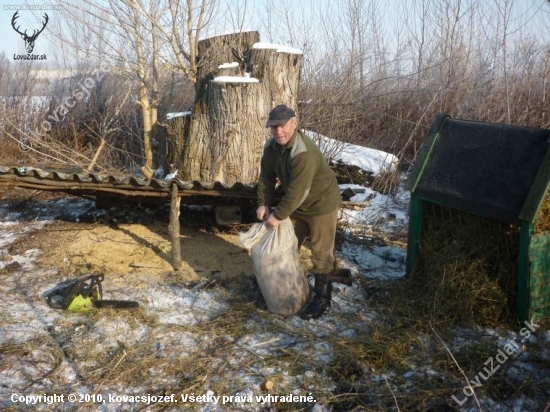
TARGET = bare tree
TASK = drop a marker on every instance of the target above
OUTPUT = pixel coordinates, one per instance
(370, 75)
(135, 37)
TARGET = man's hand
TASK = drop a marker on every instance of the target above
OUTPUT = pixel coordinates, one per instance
(262, 213)
(272, 221)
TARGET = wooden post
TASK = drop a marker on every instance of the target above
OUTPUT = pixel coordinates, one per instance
(174, 227)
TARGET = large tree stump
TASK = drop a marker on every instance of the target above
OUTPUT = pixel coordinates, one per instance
(169, 137)
(227, 129)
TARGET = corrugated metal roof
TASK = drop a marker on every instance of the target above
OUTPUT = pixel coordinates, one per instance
(110, 185)
(60, 175)
(81, 183)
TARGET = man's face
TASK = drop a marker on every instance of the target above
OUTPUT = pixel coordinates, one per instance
(283, 133)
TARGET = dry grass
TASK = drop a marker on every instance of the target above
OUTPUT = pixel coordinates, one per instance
(466, 270)
(542, 223)
(389, 359)
(386, 183)
(465, 276)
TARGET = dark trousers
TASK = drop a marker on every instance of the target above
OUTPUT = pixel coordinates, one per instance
(322, 231)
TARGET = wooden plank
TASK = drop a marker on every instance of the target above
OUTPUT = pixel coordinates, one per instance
(144, 193)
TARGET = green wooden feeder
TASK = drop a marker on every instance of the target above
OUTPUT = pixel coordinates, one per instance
(496, 172)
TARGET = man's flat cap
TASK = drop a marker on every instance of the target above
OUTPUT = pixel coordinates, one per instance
(280, 115)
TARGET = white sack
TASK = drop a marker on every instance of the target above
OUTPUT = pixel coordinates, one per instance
(277, 266)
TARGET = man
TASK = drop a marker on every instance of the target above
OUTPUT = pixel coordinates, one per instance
(311, 198)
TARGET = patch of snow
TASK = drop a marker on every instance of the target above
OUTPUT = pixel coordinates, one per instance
(227, 32)
(171, 176)
(235, 79)
(277, 47)
(172, 115)
(110, 333)
(377, 262)
(7, 237)
(385, 212)
(180, 306)
(228, 65)
(24, 261)
(370, 160)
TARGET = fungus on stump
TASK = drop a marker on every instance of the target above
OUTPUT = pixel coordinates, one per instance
(239, 81)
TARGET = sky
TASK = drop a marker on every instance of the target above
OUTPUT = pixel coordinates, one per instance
(534, 12)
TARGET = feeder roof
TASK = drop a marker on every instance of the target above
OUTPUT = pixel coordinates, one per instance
(496, 171)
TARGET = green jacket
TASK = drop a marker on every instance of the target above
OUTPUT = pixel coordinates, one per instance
(308, 182)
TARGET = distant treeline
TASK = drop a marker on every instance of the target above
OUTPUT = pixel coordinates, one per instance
(374, 74)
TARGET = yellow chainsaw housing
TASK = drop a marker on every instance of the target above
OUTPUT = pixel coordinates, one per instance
(81, 304)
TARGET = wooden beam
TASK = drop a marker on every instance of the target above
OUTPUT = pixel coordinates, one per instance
(174, 227)
(146, 193)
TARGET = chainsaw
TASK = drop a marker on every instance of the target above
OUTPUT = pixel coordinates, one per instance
(85, 294)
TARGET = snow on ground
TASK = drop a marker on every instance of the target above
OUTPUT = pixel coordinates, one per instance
(384, 213)
(29, 319)
(292, 352)
(370, 160)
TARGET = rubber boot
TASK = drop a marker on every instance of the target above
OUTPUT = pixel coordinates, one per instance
(321, 300)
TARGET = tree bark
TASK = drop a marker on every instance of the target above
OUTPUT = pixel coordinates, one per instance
(170, 139)
(227, 130)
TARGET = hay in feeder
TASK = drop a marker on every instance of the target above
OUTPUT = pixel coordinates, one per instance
(467, 268)
(542, 223)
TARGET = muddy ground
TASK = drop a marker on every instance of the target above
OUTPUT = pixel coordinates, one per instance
(201, 331)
